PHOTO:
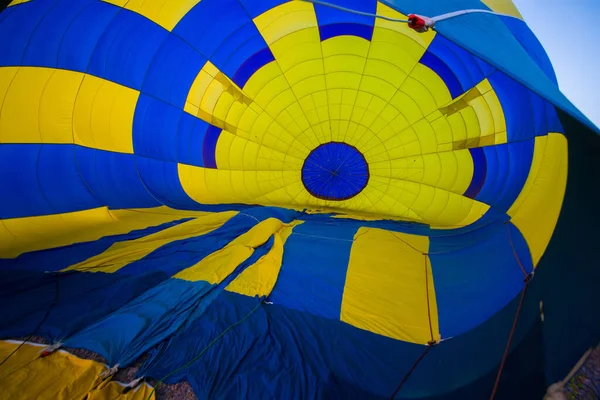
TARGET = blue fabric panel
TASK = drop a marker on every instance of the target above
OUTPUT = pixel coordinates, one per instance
(161, 178)
(475, 274)
(126, 48)
(474, 32)
(439, 67)
(173, 71)
(21, 193)
(328, 15)
(554, 124)
(257, 7)
(319, 355)
(533, 46)
(209, 146)
(6, 12)
(341, 166)
(526, 113)
(252, 64)
(62, 257)
(495, 178)
(210, 22)
(141, 324)
(113, 178)
(492, 216)
(238, 48)
(353, 224)
(508, 168)
(313, 271)
(485, 68)
(190, 138)
(516, 106)
(81, 299)
(60, 181)
(280, 353)
(479, 172)
(155, 126)
(81, 36)
(42, 48)
(17, 27)
(325, 358)
(349, 29)
(463, 65)
(181, 254)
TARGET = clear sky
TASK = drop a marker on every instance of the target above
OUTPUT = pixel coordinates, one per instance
(570, 32)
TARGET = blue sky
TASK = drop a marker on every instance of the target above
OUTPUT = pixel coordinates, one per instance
(570, 32)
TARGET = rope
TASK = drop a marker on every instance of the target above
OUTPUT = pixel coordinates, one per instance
(510, 338)
(251, 216)
(470, 11)
(515, 251)
(193, 360)
(429, 345)
(517, 314)
(421, 357)
(418, 22)
(364, 14)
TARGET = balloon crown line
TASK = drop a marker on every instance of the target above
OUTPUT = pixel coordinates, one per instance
(419, 23)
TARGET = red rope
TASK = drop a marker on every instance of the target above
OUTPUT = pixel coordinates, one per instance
(421, 357)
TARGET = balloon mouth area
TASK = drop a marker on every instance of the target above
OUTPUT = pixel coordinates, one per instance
(335, 171)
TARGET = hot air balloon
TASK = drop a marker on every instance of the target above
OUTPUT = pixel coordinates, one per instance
(277, 199)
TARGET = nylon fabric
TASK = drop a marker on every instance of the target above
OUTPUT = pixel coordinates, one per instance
(294, 199)
(58, 376)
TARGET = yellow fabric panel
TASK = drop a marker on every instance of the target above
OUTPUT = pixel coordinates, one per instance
(103, 116)
(122, 253)
(389, 286)
(220, 264)
(38, 104)
(237, 153)
(293, 36)
(114, 390)
(260, 278)
(21, 235)
(470, 211)
(261, 78)
(503, 6)
(214, 98)
(282, 20)
(201, 83)
(7, 74)
(393, 198)
(213, 186)
(15, 2)
(212, 95)
(475, 119)
(450, 171)
(436, 206)
(430, 89)
(166, 13)
(408, 106)
(60, 375)
(536, 210)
